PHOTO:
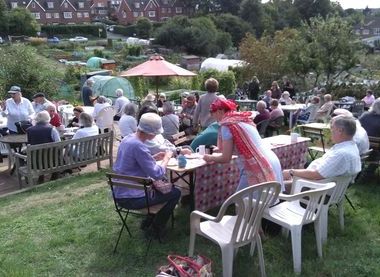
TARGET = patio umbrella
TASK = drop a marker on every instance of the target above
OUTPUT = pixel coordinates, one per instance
(156, 67)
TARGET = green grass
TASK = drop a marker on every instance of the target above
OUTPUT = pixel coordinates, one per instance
(69, 227)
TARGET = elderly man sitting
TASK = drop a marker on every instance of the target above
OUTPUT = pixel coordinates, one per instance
(55, 119)
(326, 108)
(119, 104)
(264, 114)
(342, 159)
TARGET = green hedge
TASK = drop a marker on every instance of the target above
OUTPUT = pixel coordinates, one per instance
(128, 31)
(74, 30)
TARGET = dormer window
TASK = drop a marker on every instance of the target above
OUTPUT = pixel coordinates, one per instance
(50, 5)
(81, 5)
(137, 5)
(66, 5)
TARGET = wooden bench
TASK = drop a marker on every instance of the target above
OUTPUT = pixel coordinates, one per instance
(54, 157)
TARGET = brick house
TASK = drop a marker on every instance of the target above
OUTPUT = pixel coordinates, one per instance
(155, 10)
(56, 11)
(369, 31)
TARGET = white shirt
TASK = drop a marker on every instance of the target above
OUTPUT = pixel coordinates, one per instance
(97, 109)
(127, 125)
(17, 112)
(38, 107)
(361, 138)
(340, 160)
(159, 144)
(86, 132)
(119, 104)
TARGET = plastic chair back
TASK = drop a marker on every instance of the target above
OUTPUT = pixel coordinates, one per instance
(250, 204)
(105, 118)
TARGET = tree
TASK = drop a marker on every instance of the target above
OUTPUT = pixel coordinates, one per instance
(3, 17)
(252, 12)
(228, 6)
(143, 28)
(312, 8)
(21, 65)
(21, 22)
(233, 25)
(334, 45)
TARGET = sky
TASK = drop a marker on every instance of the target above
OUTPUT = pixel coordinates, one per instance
(354, 4)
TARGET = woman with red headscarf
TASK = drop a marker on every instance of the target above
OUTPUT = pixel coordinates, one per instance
(238, 136)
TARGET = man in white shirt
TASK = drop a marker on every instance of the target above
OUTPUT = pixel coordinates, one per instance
(341, 160)
(40, 102)
(119, 104)
(17, 108)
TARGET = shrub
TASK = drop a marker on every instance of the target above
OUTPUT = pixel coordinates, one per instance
(227, 83)
(179, 82)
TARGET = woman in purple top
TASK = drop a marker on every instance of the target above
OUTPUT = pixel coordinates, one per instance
(135, 159)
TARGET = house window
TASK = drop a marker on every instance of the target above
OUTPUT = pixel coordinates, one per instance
(376, 31)
(178, 10)
(169, 10)
(152, 13)
(33, 5)
(357, 31)
(165, 2)
(56, 15)
(365, 32)
(86, 15)
(103, 12)
(14, 5)
(48, 15)
(141, 13)
(66, 5)
(81, 5)
(36, 15)
(67, 15)
(163, 10)
(50, 5)
(79, 15)
(137, 5)
(124, 14)
(135, 14)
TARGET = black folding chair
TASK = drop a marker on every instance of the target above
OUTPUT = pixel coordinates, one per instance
(132, 182)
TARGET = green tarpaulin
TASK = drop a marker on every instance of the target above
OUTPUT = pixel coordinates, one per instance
(106, 86)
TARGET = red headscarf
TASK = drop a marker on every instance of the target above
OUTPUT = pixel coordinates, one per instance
(222, 104)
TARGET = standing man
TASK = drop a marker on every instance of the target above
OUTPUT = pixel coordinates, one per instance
(17, 108)
(87, 93)
(202, 114)
(119, 104)
(186, 116)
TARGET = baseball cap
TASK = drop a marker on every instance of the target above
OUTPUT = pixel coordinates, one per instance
(151, 123)
(14, 89)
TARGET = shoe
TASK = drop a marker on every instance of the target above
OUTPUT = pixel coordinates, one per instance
(146, 222)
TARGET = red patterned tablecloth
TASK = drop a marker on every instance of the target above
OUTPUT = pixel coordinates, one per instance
(214, 183)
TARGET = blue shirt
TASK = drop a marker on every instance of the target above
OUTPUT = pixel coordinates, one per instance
(134, 159)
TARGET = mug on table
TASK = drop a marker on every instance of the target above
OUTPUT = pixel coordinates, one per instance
(201, 150)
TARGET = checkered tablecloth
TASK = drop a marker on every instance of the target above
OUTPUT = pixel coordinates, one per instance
(214, 183)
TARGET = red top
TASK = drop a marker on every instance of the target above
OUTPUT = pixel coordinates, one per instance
(55, 120)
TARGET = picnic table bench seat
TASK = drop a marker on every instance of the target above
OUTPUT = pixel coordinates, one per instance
(54, 157)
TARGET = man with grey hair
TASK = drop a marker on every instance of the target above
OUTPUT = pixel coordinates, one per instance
(43, 132)
(55, 119)
(371, 119)
(341, 160)
(87, 93)
(87, 127)
(264, 114)
(119, 104)
(39, 102)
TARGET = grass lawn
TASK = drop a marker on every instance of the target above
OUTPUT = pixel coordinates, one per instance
(69, 227)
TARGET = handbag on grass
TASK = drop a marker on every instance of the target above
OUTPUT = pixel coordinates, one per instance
(182, 266)
(163, 186)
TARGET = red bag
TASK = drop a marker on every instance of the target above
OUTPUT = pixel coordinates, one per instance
(191, 267)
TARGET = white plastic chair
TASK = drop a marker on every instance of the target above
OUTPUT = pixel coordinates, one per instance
(104, 120)
(299, 209)
(232, 232)
(336, 197)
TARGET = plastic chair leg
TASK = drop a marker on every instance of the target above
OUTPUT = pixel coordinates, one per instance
(192, 243)
(318, 237)
(323, 217)
(296, 248)
(228, 260)
(261, 256)
(341, 215)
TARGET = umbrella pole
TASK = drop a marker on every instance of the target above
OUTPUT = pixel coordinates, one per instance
(157, 88)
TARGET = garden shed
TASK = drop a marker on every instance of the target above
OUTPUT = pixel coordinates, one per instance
(106, 86)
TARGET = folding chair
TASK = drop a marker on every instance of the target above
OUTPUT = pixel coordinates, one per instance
(262, 127)
(315, 134)
(138, 183)
(275, 125)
